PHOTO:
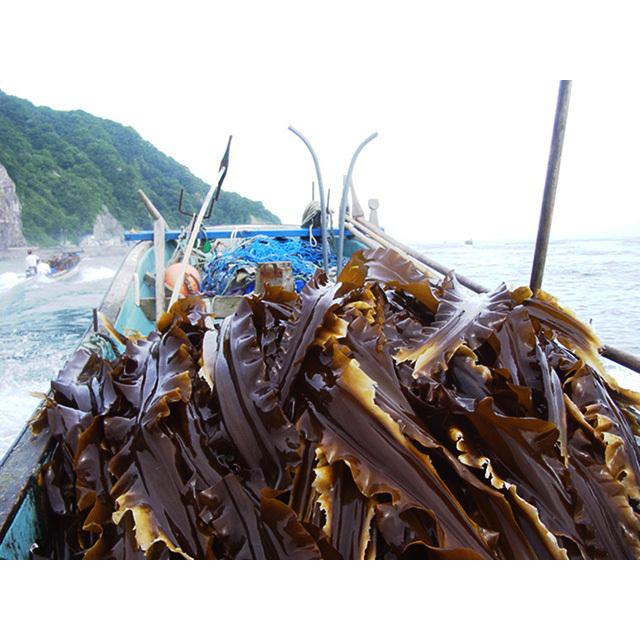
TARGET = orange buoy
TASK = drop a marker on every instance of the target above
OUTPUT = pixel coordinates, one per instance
(191, 283)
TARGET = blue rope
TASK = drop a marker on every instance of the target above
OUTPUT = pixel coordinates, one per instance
(234, 271)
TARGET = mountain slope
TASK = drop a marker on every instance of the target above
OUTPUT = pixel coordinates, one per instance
(67, 164)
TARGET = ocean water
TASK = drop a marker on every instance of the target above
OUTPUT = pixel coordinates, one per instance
(596, 279)
(41, 322)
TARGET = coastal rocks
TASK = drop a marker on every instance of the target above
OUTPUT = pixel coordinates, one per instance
(107, 231)
(10, 213)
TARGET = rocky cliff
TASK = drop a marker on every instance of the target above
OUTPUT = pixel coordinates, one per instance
(10, 213)
(67, 164)
(107, 231)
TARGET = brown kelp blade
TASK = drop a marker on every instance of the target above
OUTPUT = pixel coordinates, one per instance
(381, 416)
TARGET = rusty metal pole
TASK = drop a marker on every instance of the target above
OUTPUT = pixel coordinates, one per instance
(550, 185)
(624, 358)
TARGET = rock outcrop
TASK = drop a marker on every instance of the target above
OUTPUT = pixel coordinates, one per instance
(10, 213)
(107, 231)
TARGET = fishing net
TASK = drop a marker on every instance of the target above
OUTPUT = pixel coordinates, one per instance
(233, 271)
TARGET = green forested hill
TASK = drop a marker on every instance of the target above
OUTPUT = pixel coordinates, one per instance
(67, 164)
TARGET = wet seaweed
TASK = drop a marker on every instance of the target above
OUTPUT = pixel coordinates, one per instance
(381, 416)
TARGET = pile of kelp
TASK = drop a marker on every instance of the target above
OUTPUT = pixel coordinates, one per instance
(376, 417)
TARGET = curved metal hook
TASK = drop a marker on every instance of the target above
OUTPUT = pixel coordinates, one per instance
(343, 199)
(323, 213)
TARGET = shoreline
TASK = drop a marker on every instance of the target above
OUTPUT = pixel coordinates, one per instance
(15, 253)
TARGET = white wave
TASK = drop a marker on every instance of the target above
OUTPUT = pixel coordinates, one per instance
(10, 279)
(17, 407)
(93, 274)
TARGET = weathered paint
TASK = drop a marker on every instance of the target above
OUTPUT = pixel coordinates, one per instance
(24, 530)
(131, 316)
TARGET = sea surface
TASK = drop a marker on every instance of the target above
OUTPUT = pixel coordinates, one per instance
(41, 322)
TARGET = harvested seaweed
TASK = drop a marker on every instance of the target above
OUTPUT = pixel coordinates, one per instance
(379, 416)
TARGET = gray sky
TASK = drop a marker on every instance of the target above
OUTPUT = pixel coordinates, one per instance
(463, 100)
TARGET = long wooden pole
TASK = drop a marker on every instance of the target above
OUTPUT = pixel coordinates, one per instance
(375, 242)
(366, 240)
(207, 205)
(159, 227)
(550, 185)
(627, 360)
(191, 242)
(375, 232)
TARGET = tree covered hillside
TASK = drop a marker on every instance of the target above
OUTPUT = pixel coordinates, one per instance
(67, 164)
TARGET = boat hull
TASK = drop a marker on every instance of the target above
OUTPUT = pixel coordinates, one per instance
(22, 520)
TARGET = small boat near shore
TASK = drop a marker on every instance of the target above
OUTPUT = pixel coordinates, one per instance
(57, 267)
(63, 264)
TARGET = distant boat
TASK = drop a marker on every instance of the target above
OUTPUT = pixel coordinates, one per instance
(469, 241)
(63, 264)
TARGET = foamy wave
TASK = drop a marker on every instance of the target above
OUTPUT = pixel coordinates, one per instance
(9, 280)
(93, 274)
(17, 407)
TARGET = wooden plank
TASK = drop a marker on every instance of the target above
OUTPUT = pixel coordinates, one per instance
(148, 306)
(150, 279)
(276, 274)
(159, 258)
(158, 237)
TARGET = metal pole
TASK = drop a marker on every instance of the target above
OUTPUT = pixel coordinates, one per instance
(624, 358)
(323, 213)
(343, 200)
(550, 186)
